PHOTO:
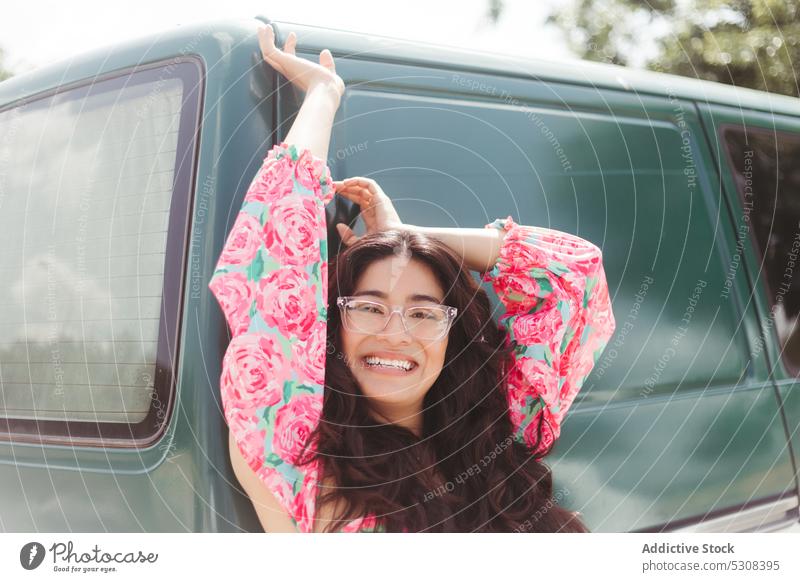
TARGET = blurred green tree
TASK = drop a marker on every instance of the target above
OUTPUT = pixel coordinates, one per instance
(747, 43)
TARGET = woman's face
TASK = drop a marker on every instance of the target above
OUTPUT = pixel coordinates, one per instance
(395, 394)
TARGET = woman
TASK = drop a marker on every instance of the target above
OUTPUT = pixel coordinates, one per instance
(434, 420)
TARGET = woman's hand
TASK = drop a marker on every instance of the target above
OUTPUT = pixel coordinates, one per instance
(377, 210)
(302, 73)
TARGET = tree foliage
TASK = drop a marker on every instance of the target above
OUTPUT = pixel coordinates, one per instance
(747, 43)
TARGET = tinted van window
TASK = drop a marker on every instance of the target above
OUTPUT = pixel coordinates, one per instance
(88, 179)
(766, 167)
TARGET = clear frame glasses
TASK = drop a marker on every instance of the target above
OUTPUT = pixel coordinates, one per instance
(424, 322)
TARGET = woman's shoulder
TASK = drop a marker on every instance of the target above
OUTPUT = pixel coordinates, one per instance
(271, 514)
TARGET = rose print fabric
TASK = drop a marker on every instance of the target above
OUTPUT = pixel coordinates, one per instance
(559, 318)
(271, 281)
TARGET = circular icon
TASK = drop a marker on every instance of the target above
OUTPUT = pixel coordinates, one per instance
(31, 555)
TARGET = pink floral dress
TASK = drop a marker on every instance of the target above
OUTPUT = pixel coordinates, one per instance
(271, 282)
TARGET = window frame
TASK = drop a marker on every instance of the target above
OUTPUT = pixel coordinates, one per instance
(190, 70)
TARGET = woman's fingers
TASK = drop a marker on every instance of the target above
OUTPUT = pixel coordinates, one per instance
(271, 54)
(291, 42)
(301, 72)
(363, 182)
(346, 234)
(364, 185)
(274, 56)
(364, 202)
(266, 42)
(353, 192)
(351, 188)
(326, 60)
(369, 196)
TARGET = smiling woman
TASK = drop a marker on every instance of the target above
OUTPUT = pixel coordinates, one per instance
(345, 417)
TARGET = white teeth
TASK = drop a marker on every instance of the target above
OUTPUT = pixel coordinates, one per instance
(403, 364)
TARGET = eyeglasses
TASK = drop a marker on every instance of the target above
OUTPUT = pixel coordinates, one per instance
(428, 322)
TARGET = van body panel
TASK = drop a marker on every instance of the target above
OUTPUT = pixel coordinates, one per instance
(667, 459)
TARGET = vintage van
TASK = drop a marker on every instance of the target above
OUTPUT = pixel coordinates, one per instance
(122, 170)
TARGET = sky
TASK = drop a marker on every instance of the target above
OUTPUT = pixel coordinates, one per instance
(34, 33)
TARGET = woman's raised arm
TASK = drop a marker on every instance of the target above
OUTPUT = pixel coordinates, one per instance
(271, 283)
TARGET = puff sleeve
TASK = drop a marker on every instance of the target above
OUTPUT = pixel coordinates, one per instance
(559, 318)
(271, 282)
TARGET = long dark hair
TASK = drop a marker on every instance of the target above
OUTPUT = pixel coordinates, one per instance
(465, 473)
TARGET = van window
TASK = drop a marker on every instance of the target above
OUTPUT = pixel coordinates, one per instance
(88, 176)
(623, 181)
(766, 166)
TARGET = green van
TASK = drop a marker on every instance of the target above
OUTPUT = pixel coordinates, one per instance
(122, 170)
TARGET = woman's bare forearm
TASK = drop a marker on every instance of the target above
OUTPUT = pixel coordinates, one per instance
(312, 125)
(479, 248)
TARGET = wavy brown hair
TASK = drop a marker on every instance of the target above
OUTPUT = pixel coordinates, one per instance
(465, 473)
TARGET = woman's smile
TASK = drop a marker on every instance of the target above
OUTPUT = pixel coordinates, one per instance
(389, 364)
(388, 369)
